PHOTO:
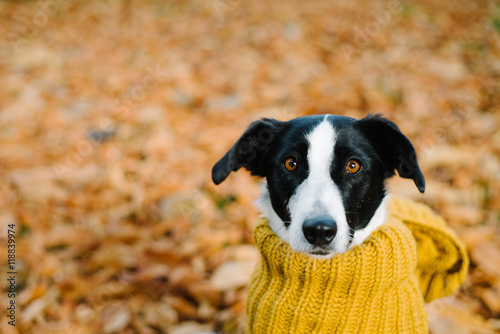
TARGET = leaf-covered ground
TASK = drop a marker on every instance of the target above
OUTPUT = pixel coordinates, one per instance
(112, 114)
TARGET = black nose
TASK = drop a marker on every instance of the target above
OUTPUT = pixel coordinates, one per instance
(319, 232)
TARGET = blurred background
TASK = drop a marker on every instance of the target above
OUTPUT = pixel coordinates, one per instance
(112, 114)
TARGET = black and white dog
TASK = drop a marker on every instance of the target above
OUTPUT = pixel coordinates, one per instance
(325, 176)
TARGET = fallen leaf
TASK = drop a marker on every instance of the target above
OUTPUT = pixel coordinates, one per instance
(232, 274)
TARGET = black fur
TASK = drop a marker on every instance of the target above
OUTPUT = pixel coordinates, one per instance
(393, 148)
(249, 151)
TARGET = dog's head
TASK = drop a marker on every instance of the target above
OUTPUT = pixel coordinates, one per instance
(325, 176)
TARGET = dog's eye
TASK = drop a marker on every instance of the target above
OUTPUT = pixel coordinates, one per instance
(291, 165)
(353, 166)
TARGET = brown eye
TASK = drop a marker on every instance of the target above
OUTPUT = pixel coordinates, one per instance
(353, 166)
(291, 165)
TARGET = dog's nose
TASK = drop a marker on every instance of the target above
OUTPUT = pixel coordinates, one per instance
(319, 232)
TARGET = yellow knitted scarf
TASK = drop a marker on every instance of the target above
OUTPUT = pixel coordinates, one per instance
(377, 287)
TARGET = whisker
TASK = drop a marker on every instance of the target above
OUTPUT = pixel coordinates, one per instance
(279, 229)
(284, 225)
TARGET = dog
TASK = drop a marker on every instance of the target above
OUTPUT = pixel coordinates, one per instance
(326, 176)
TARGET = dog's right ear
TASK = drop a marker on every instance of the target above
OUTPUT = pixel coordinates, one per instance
(249, 151)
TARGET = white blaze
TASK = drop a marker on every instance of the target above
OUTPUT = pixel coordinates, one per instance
(318, 196)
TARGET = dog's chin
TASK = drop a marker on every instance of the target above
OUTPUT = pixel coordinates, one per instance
(320, 254)
(325, 253)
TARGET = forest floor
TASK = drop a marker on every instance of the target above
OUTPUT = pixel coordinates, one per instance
(112, 114)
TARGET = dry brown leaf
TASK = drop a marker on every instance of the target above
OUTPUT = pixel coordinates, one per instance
(183, 307)
(487, 257)
(191, 328)
(450, 315)
(116, 320)
(491, 298)
(159, 314)
(115, 255)
(232, 274)
(37, 306)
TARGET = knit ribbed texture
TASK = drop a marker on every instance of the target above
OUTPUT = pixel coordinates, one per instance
(376, 287)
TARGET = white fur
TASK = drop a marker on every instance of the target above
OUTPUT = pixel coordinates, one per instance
(318, 195)
(275, 222)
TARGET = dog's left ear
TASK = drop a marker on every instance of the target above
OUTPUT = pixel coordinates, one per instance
(393, 148)
(249, 151)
